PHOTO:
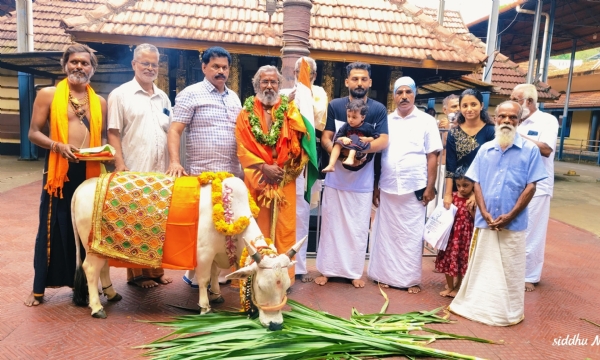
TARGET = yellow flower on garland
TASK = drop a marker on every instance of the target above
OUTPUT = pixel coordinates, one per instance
(216, 181)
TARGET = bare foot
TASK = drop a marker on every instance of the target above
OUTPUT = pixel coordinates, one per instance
(348, 161)
(382, 285)
(358, 283)
(414, 289)
(446, 292)
(306, 278)
(321, 280)
(33, 300)
(529, 287)
(329, 168)
(453, 293)
(144, 283)
(164, 279)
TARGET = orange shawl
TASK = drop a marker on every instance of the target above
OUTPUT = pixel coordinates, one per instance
(59, 131)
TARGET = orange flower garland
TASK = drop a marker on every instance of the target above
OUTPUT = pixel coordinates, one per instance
(237, 226)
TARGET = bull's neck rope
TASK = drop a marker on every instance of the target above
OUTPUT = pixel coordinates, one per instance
(223, 217)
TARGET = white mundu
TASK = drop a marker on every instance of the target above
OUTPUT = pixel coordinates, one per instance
(143, 121)
(396, 251)
(541, 127)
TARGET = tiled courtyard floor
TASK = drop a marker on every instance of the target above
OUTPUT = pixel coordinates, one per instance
(58, 330)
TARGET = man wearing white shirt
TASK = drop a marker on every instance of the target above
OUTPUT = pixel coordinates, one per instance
(541, 129)
(138, 121)
(406, 185)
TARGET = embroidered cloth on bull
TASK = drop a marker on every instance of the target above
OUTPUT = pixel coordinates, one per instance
(130, 216)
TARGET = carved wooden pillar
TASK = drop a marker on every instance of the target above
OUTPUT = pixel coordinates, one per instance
(296, 31)
(328, 78)
(233, 82)
(395, 74)
(162, 81)
(181, 73)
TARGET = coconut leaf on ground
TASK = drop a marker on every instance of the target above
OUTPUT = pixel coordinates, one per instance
(306, 334)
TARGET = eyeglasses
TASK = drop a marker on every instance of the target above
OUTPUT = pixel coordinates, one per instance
(269, 82)
(148, 65)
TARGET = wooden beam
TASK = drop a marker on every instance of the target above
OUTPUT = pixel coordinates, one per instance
(261, 50)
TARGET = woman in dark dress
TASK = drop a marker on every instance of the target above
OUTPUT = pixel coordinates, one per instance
(473, 128)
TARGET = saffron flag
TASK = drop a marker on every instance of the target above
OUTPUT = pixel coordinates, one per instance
(305, 103)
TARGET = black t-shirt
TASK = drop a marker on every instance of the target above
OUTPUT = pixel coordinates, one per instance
(377, 116)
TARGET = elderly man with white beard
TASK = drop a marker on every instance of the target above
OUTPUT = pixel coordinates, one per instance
(138, 121)
(505, 172)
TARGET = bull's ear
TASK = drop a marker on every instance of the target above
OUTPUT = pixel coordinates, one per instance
(242, 273)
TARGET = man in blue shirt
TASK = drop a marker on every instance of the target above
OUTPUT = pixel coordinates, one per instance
(505, 172)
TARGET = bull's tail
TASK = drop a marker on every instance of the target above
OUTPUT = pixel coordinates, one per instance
(80, 288)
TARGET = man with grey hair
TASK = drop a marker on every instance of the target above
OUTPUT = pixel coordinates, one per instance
(138, 121)
(505, 172)
(270, 151)
(319, 106)
(541, 129)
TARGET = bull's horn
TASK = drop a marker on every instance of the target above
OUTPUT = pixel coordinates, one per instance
(252, 251)
(291, 252)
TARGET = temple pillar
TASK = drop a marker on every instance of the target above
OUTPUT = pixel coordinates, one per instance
(296, 32)
(328, 78)
(395, 74)
(233, 82)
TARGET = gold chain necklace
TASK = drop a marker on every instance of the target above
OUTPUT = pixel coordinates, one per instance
(79, 106)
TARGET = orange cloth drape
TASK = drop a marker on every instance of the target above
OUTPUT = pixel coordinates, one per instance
(180, 246)
(250, 153)
(59, 131)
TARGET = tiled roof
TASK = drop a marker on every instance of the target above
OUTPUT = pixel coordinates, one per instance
(394, 28)
(47, 34)
(587, 99)
(588, 67)
(506, 75)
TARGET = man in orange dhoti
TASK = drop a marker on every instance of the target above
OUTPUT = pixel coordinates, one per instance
(269, 131)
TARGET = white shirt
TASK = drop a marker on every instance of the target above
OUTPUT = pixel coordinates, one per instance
(542, 127)
(143, 124)
(404, 162)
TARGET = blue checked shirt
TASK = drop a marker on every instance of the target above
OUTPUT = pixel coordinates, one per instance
(503, 175)
(210, 121)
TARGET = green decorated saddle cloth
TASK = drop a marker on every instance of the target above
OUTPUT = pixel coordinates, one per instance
(130, 216)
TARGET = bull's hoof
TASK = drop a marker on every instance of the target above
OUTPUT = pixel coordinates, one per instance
(205, 310)
(218, 300)
(100, 314)
(115, 298)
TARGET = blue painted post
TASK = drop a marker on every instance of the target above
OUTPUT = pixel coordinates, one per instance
(486, 99)
(26, 97)
(593, 131)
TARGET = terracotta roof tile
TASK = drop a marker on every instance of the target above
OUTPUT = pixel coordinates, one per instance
(47, 14)
(587, 99)
(336, 25)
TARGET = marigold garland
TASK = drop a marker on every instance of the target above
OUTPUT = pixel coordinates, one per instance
(271, 138)
(222, 226)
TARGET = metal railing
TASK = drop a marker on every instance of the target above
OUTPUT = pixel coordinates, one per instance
(579, 149)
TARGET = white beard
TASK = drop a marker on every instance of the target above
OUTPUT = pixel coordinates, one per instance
(505, 135)
(267, 98)
(77, 78)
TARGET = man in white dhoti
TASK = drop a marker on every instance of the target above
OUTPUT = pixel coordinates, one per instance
(406, 185)
(320, 102)
(349, 190)
(138, 121)
(541, 129)
(505, 172)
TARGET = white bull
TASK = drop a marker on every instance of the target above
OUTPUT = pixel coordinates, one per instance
(270, 284)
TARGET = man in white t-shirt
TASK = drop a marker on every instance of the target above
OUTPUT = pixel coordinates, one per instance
(349, 189)
(541, 129)
(406, 185)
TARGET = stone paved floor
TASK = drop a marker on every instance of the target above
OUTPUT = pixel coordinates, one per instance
(58, 330)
